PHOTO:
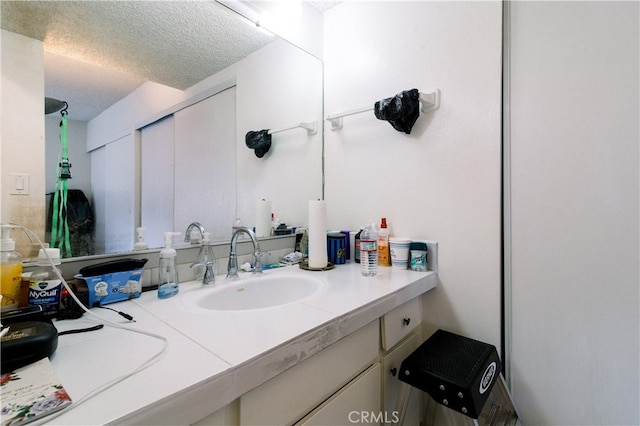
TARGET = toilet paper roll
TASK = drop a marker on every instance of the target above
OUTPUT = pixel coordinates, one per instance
(317, 234)
(263, 218)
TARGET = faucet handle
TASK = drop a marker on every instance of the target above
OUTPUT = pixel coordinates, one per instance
(257, 262)
(232, 266)
(209, 271)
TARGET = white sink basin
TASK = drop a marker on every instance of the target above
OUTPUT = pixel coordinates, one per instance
(256, 292)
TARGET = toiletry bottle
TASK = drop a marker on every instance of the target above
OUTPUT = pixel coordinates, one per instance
(418, 256)
(10, 271)
(168, 274)
(237, 224)
(45, 286)
(140, 242)
(384, 256)
(356, 251)
(304, 245)
(369, 251)
(205, 256)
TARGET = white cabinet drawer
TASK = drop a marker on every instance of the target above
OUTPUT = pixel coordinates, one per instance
(356, 403)
(399, 322)
(289, 396)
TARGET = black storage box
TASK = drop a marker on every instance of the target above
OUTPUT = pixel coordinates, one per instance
(27, 342)
(455, 371)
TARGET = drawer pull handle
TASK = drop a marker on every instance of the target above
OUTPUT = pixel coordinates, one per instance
(406, 321)
(393, 371)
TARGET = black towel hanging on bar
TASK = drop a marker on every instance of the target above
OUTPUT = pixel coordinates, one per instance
(401, 111)
(259, 141)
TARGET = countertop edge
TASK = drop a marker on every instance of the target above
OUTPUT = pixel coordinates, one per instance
(209, 395)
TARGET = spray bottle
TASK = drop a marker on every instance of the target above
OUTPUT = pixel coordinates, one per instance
(10, 270)
(168, 274)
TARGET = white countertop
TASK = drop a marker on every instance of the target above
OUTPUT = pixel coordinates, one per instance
(213, 357)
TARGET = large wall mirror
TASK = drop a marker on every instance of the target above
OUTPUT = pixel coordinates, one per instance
(161, 96)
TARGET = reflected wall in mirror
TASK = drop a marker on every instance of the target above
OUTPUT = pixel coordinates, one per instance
(209, 175)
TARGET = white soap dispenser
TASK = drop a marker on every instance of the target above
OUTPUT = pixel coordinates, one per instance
(140, 242)
(168, 274)
(205, 265)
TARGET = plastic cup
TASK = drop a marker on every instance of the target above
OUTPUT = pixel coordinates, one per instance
(399, 248)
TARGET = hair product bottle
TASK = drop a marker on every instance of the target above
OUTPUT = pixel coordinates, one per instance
(384, 256)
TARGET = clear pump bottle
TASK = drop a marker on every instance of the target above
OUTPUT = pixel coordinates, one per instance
(168, 274)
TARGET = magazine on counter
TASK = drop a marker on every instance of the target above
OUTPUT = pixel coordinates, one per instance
(30, 393)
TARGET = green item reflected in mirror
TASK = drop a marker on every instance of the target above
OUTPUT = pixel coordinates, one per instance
(59, 224)
(52, 105)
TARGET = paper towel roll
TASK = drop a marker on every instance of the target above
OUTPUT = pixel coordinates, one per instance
(317, 234)
(263, 218)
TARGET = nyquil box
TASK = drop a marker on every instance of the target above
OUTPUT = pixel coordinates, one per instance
(110, 282)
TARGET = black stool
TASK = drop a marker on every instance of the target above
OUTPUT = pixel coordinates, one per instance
(461, 374)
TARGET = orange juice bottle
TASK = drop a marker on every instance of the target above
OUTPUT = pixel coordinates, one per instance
(10, 271)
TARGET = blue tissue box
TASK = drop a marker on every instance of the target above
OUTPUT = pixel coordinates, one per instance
(112, 282)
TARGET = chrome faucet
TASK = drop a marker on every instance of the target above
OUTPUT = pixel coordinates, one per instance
(232, 267)
(187, 234)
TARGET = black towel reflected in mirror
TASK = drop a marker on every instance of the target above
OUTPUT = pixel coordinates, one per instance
(401, 111)
(259, 141)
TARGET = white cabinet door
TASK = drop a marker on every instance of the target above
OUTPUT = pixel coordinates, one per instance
(356, 403)
(292, 394)
(205, 165)
(391, 384)
(156, 175)
(186, 172)
(228, 415)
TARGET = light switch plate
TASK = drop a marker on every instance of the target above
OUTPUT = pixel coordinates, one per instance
(19, 184)
(432, 256)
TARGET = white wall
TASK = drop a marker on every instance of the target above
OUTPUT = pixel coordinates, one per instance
(121, 118)
(287, 91)
(111, 140)
(442, 182)
(265, 83)
(575, 194)
(22, 138)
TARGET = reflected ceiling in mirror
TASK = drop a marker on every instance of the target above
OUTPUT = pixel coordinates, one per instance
(97, 52)
(186, 46)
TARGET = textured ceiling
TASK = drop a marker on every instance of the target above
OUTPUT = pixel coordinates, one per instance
(323, 5)
(96, 52)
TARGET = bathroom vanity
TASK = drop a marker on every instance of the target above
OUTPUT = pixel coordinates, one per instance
(321, 356)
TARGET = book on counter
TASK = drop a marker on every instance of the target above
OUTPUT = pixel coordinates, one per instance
(30, 393)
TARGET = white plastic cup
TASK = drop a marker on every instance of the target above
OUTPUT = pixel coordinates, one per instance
(399, 248)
